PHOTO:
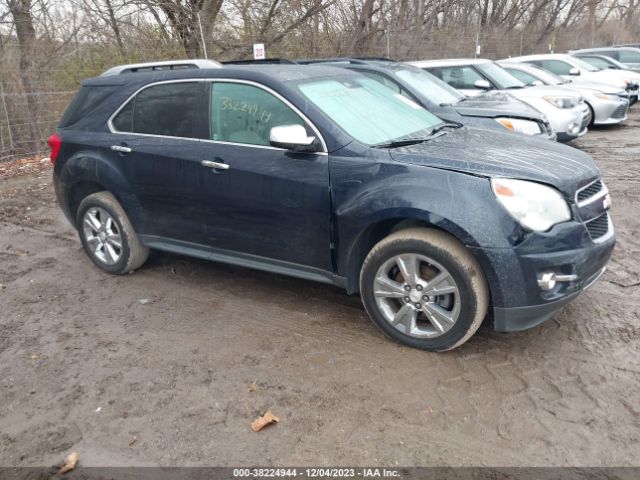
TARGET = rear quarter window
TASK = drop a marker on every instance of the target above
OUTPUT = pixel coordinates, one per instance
(87, 99)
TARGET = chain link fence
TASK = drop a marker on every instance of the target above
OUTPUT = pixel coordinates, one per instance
(32, 102)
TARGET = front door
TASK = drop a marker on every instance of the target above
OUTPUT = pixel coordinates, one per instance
(263, 200)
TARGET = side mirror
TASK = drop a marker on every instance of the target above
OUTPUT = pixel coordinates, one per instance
(574, 71)
(291, 137)
(536, 83)
(482, 84)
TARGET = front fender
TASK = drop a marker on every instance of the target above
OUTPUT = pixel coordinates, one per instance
(369, 197)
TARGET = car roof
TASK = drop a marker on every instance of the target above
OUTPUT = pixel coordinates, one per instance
(268, 73)
(448, 62)
(602, 49)
(540, 56)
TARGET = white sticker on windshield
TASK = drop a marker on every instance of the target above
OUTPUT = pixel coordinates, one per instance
(408, 101)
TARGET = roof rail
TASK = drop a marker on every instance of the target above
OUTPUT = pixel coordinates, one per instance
(310, 61)
(377, 59)
(263, 61)
(164, 65)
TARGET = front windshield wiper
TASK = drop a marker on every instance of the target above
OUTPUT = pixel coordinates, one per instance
(444, 125)
(463, 99)
(513, 87)
(415, 140)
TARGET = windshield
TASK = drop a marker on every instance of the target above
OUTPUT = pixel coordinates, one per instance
(434, 89)
(584, 65)
(545, 76)
(499, 76)
(367, 110)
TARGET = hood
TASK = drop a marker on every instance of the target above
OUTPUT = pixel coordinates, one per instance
(606, 76)
(590, 85)
(541, 91)
(496, 105)
(495, 154)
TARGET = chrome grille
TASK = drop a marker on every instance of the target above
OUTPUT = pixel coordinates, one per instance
(589, 191)
(599, 226)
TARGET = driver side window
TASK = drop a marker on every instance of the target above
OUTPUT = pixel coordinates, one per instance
(246, 114)
(556, 66)
(460, 77)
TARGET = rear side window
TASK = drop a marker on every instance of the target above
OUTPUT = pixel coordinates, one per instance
(246, 114)
(88, 98)
(173, 110)
(629, 56)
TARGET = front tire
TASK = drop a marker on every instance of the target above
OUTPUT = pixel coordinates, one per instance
(424, 289)
(107, 235)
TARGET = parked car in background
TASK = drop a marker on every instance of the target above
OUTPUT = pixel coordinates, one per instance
(603, 62)
(627, 55)
(570, 67)
(566, 111)
(328, 175)
(495, 112)
(607, 105)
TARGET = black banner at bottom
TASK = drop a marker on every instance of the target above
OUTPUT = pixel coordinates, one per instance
(322, 473)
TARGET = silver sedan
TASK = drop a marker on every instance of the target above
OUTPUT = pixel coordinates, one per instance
(607, 105)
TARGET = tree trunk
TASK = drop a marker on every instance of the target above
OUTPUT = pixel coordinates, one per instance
(358, 40)
(26, 33)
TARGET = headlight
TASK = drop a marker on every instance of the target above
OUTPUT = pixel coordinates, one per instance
(562, 102)
(535, 206)
(519, 126)
(604, 96)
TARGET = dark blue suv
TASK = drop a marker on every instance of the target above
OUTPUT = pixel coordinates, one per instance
(326, 174)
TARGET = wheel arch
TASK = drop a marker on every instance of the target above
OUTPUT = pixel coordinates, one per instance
(86, 173)
(376, 231)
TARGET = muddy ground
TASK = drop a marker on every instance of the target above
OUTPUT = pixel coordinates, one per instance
(171, 364)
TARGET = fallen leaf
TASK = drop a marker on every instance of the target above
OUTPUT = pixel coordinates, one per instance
(70, 463)
(429, 409)
(133, 440)
(267, 419)
(252, 387)
(35, 357)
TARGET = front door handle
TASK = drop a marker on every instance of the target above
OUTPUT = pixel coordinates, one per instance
(216, 165)
(120, 148)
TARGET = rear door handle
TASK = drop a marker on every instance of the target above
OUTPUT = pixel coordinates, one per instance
(216, 165)
(120, 148)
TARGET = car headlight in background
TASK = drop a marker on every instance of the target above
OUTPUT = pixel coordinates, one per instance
(562, 102)
(520, 126)
(535, 206)
(605, 96)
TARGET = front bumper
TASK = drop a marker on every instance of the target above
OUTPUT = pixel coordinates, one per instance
(610, 112)
(571, 123)
(513, 273)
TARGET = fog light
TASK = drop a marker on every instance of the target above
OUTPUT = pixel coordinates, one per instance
(548, 280)
(574, 128)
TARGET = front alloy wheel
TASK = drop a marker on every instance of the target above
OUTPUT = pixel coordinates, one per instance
(423, 288)
(417, 295)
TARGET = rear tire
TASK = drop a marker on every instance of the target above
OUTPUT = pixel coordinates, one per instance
(107, 235)
(424, 289)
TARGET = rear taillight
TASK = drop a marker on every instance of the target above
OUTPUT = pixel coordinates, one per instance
(55, 142)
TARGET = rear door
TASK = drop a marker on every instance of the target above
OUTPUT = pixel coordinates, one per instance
(156, 140)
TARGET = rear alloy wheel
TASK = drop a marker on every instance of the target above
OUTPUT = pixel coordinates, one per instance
(424, 289)
(108, 236)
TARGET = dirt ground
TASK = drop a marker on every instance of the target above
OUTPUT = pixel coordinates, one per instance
(170, 365)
